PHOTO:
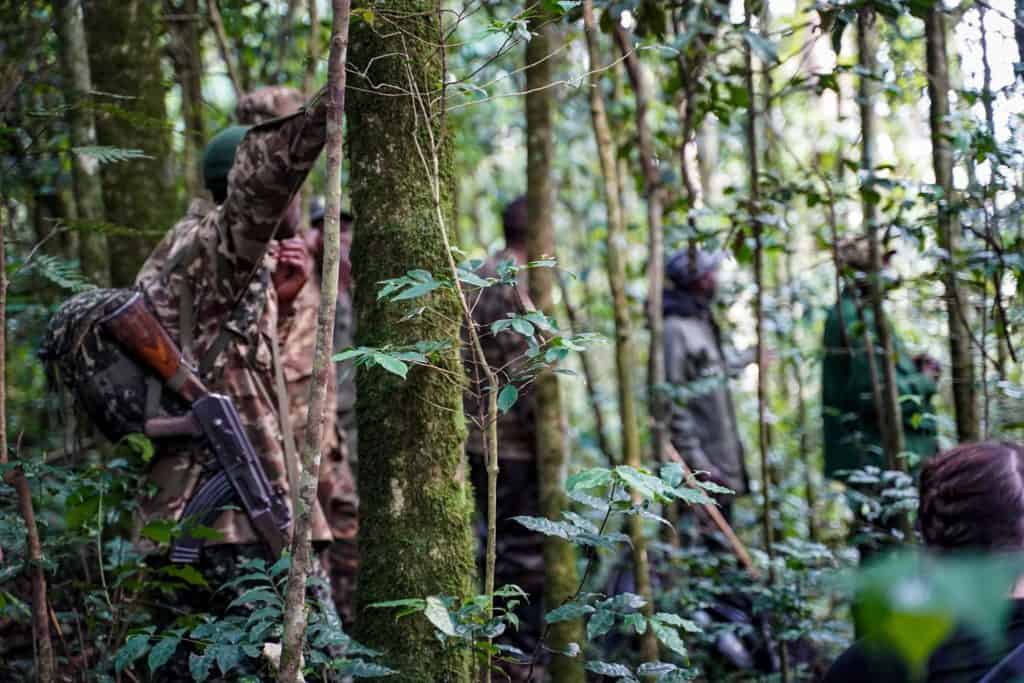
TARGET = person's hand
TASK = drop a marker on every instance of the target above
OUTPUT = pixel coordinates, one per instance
(928, 365)
(294, 264)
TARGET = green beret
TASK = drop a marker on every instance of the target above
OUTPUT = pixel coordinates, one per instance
(220, 155)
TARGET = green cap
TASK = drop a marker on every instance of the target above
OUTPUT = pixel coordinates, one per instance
(219, 156)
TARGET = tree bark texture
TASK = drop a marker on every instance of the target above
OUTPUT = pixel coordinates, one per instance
(625, 360)
(560, 575)
(414, 532)
(302, 556)
(890, 417)
(185, 26)
(125, 55)
(217, 24)
(74, 57)
(948, 226)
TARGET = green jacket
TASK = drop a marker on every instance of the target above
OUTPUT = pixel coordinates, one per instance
(851, 435)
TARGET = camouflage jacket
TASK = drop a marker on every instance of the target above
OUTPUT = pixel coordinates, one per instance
(336, 489)
(505, 352)
(211, 273)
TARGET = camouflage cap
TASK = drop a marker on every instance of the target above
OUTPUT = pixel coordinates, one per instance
(219, 156)
(267, 103)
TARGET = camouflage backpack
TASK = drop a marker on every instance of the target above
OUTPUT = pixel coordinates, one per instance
(116, 392)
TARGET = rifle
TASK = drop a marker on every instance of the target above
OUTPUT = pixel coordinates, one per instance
(212, 416)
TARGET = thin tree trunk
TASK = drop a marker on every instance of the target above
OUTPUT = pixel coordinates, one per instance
(560, 576)
(74, 55)
(302, 556)
(414, 532)
(804, 451)
(45, 666)
(655, 191)
(187, 57)
(624, 357)
(753, 163)
(890, 418)
(126, 58)
(213, 13)
(309, 77)
(948, 226)
(284, 37)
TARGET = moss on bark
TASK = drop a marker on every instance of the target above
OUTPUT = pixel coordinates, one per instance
(415, 510)
(125, 44)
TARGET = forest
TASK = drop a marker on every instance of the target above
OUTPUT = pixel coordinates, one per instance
(474, 340)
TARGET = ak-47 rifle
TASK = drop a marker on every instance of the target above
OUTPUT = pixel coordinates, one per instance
(212, 416)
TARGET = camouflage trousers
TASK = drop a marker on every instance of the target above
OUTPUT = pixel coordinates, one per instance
(220, 564)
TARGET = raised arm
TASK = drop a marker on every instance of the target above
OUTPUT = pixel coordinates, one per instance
(270, 166)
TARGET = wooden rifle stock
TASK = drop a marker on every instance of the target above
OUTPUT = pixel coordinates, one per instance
(135, 327)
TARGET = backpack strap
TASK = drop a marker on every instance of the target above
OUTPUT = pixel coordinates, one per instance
(1009, 667)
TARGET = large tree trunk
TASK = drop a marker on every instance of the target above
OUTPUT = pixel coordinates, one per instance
(560, 576)
(890, 418)
(185, 25)
(948, 226)
(74, 57)
(625, 361)
(414, 531)
(125, 43)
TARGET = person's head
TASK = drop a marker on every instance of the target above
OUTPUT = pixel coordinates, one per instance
(855, 255)
(315, 240)
(972, 498)
(696, 272)
(218, 158)
(515, 223)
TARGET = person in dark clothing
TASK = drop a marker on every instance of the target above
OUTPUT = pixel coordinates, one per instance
(972, 499)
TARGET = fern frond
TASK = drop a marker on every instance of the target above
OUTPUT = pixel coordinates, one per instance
(64, 274)
(109, 155)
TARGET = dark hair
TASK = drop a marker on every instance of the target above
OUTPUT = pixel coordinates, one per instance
(514, 221)
(972, 498)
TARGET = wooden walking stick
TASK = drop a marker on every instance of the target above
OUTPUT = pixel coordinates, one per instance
(715, 514)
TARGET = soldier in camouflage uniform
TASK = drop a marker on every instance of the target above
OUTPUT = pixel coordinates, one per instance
(336, 489)
(520, 558)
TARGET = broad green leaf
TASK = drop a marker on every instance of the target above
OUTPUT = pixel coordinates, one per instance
(610, 669)
(568, 612)
(186, 573)
(392, 365)
(650, 488)
(636, 621)
(158, 530)
(764, 48)
(523, 327)
(507, 397)
(133, 648)
(255, 596)
(668, 636)
(417, 291)
(199, 666)
(162, 652)
(227, 656)
(588, 479)
(676, 620)
(438, 615)
(600, 623)
(547, 527)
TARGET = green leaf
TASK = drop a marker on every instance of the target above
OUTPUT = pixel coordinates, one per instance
(588, 479)
(392, 365)
(610, 669)
(762, 47)
(162, 652)
(158, 530)
(256, 596)
(186, 573)
(676, 620)
(650, 488)
(507, 397)
(472, 279)
(136, 445)
(417, 291)
(438, 615)
(668, 636)
(636, 621)
(227, 656)
(358, 668)
(523, 326)
(545, 526)
(568, 612)
(199, 666)
(133, 648)
(600, 623)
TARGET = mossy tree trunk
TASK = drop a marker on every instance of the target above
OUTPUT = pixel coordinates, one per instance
(125, 55)
(74, 57)
(948, 226)
(560, 576)
(414, 532)
(185, 24)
